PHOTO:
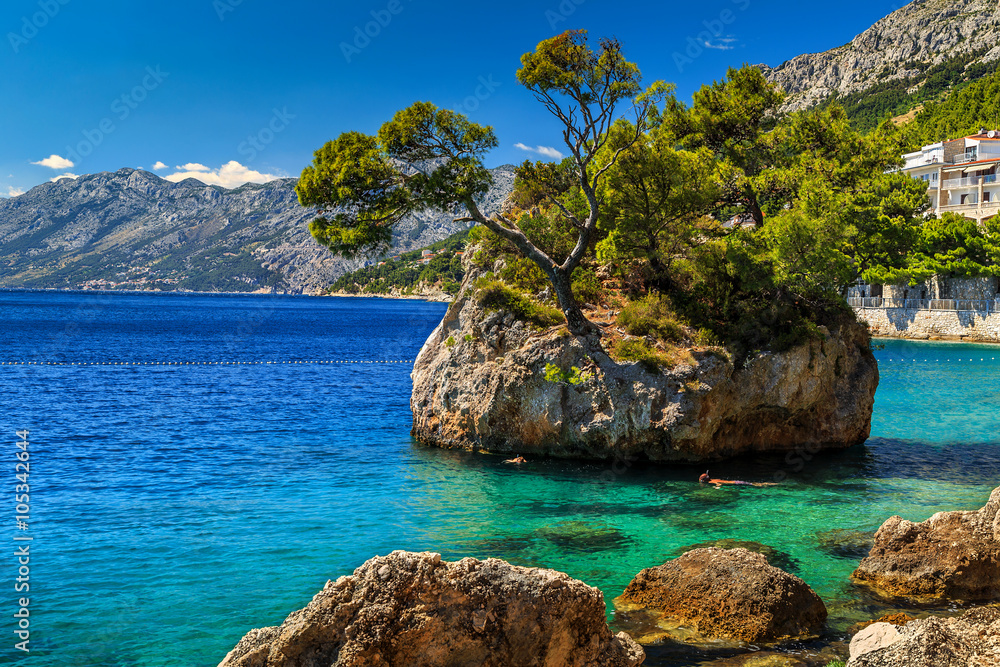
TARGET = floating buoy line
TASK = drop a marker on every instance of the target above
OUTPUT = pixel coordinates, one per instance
(924, 361)
(195, 363)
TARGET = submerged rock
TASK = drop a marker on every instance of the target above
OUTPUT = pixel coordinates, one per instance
(479, 384)
(726, 594)
(778, 559)
(953, 555)
(972, 640)
(415, 609)
(583, 536)
(843, 543)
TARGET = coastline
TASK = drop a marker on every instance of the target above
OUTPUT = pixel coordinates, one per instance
(439, 297)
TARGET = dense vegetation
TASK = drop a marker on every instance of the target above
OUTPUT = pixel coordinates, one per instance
(727, 224)
(868, 108)
(720, 224)
(403, 274)
(963, 113)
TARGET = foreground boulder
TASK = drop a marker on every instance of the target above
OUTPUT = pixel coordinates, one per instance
(479, 384)
(953, 555)
(415, 609)
(727, 594)
(973, 640)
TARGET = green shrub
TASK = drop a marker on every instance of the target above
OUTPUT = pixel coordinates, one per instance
(450, 342)
(523, 274)
(494, 295)
(587, 286)
(572, 377)
(468, 338)
(651, 316)
(836, 663)
(707, 338)
(639, 350)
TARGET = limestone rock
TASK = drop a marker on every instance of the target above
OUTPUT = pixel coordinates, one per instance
(972, 640)
(488, 391)
(954, 555)
(925, 31)
(415, 609)
(876, 636)
(728, 594)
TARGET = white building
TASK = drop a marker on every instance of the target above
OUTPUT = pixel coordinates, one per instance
(961, 174)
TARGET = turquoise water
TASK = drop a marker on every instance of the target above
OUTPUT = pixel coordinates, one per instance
(176, 507)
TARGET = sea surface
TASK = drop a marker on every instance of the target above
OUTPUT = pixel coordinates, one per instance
(175, 507)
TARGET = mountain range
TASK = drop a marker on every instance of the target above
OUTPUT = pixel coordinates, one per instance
(134, 230)
(901, 46)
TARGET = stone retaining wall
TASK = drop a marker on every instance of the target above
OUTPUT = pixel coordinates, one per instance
(932, 324)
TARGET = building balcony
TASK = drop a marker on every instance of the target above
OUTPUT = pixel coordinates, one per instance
(980, 210)
(971, 182)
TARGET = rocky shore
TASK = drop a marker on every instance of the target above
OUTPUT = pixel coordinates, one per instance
(417, 609)
(480, 384)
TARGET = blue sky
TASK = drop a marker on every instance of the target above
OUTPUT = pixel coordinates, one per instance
(236, 90)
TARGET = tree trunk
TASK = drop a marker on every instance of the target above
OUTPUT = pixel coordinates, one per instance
(575, 320)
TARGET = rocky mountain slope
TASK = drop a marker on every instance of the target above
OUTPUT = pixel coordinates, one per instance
(133, 230)
(900, 46)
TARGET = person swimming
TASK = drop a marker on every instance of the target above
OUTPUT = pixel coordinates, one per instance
(717, 483)
(517, 459)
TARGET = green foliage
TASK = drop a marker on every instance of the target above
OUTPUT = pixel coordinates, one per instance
(651, 316)
(536, 183)
(358, 192)
(450, 342)
(950, 246)
(836, 663)
(427, 157)
(657, 198)
(405, 274)
(639, 350)
(494, 295)
(523, 274)
(732, 119)
(587, 286)
(571, 377)
(566, 65)
(868, 108)
(961, 114)
(424, 157)
(469, 338)
(821, 206)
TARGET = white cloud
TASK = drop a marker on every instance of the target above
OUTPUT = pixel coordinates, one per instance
(159, 166)
(546, 151)
(14, 192)
(230, 175)
(66, 175)
(55, 162)
(721, 43)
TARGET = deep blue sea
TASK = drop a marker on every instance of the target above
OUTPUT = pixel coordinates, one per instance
(175, 507)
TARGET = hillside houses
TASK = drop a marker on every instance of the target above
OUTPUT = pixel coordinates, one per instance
(961, 174)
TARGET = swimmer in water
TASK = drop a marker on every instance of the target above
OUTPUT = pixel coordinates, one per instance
(717, 483)
(517, 459)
